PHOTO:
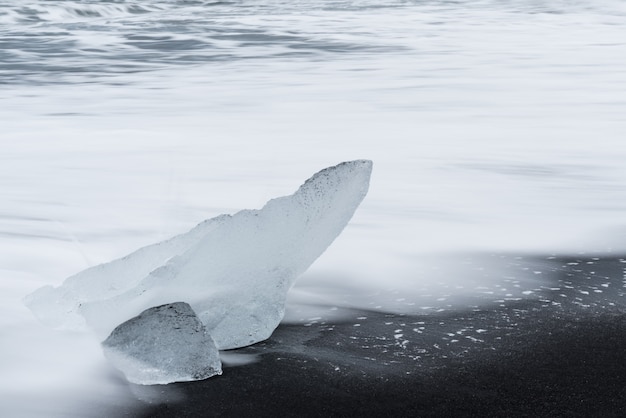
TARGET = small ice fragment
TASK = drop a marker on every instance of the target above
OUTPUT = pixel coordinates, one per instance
(162, 345)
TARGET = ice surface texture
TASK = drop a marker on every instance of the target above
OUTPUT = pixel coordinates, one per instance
(163, 344)
(234, 271)
(59, 307)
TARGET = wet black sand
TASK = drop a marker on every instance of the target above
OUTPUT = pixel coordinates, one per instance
(561, 352)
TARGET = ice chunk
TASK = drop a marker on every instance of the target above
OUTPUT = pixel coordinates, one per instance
(234, 271)
(58, 306)
(163, 344)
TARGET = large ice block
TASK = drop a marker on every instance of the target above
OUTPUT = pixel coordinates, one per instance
(234, 271)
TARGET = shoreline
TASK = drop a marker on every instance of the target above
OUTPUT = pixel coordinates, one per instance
(532, 357)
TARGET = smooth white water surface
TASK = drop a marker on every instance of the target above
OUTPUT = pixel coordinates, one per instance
(493, 126)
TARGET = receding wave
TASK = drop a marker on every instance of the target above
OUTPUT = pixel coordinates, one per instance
(71, 11)
(69, 41)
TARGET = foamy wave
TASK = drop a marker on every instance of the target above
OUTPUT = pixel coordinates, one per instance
(72, 11)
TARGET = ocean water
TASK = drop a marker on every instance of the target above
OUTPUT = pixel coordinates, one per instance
(494, 126)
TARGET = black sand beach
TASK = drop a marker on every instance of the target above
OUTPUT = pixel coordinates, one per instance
(561, 353)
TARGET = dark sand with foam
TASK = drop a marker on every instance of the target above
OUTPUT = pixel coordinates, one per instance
(560, 353)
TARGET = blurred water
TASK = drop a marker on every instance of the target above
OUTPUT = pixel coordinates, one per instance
(493, 126)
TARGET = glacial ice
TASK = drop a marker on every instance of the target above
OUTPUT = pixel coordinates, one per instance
(58, 307)
(163, 344)
(234, 271)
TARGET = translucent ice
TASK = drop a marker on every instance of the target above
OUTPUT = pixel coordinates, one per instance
(234, 271)
(58, 307)
(163, 344)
